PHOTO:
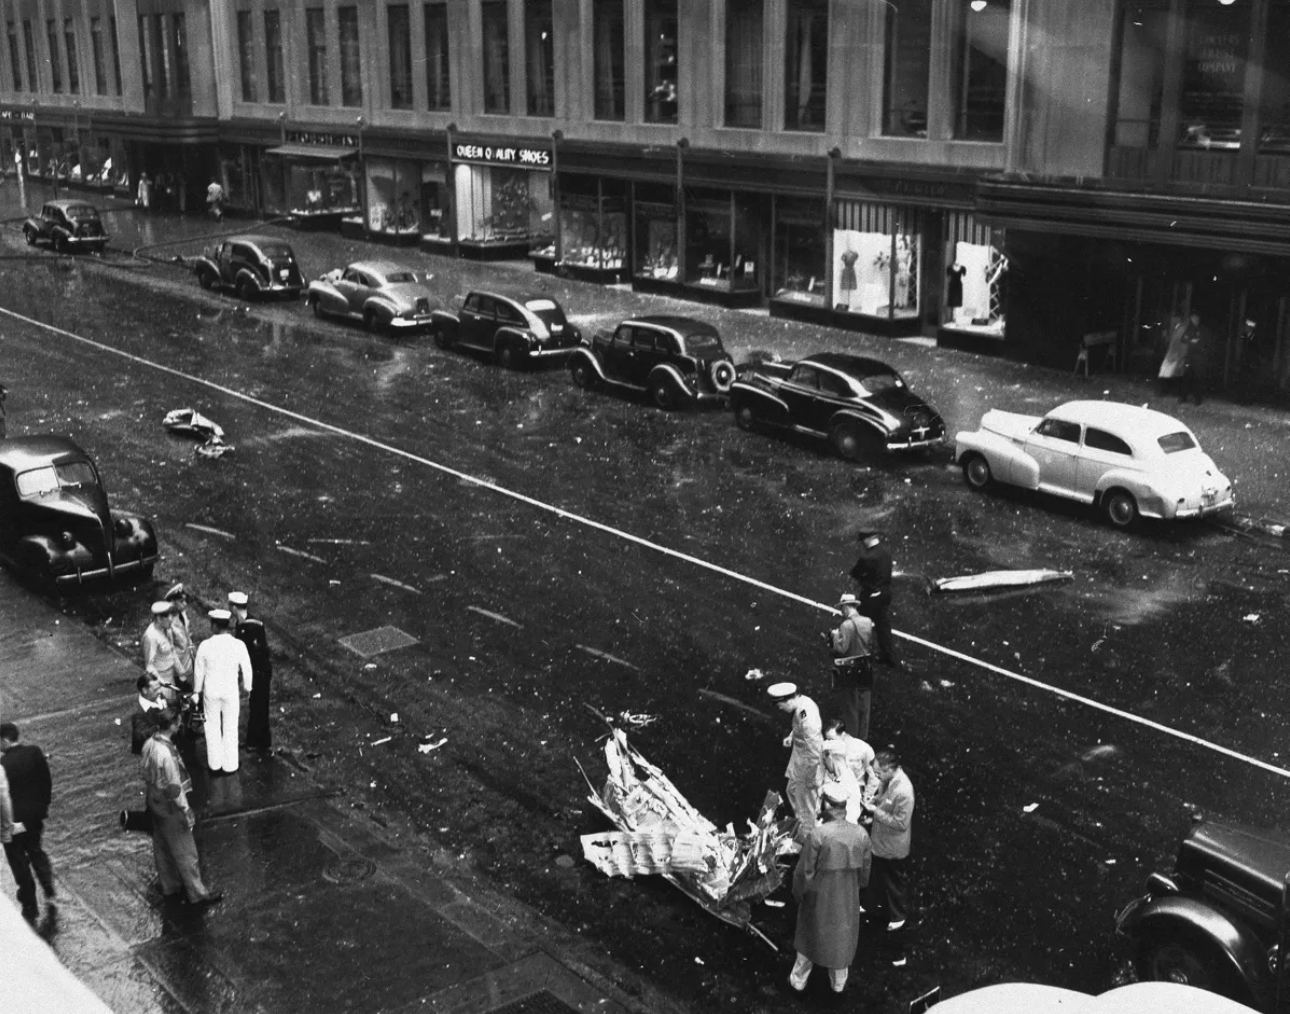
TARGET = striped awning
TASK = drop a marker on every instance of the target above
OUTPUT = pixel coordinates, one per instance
(886, 219)
(963, 227)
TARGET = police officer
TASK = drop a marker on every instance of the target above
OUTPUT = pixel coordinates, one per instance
(852, 644)
(804, 772)
(872, 572)
(251, 632)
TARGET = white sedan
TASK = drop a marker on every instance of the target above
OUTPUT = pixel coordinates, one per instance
(1127, 461)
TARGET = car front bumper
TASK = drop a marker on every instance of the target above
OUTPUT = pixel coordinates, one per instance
(121, 569)
(549, 351)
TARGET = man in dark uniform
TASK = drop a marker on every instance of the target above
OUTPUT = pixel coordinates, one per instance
(30, 788)
(250, 632)
(872, 572)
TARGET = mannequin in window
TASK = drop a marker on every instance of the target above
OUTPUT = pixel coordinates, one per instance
(954, 285)
(847, 282)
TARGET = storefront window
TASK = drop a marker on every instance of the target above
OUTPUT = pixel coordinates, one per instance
(394, 196)
(981, 69)
(593, 223)
(503, 205)
(876, 260)
(438, 84)
(660, 61)
(497, 60)
(722, 240)
(654, 235)
(311, 187)
(1142, 74)
(907, 66)
(1213, 75)
(73, 66)
(743, 63)
(237, 176)
(800, 274)
(607, 25)
(976, 277)
(245, 52)
(1274, 105)
(274, 77)
(806, 65)
(351, 57)
(399, 34)
(316, 40)
(539, 41)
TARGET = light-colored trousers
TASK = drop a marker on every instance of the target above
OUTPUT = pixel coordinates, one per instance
(221, 731)
(175, 853)
(804, 798)
(802, 971)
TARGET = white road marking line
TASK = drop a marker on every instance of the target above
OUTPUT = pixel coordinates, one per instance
(737, 704)
(301, 552)
(395, 584)
(495, 616)
(197, 528)
(606, 656)
(339, 542)
(628, 537)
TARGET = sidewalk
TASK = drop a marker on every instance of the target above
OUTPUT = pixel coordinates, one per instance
(321, 912)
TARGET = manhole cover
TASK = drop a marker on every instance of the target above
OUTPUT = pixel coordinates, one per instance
(538, 1003)
(349, 871)
(373, 642)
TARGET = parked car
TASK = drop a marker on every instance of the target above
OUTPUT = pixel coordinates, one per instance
(252, 266)
(56, 528)
(1217, 920)
(384, 295)
(67, 225)
(516, 331)
(1125, 460)
(677, 360)
(860, 405)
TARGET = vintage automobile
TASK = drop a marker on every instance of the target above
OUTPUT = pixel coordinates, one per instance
(56, 528)
(1218, 919)
(1125, 460)
(67, 225)
(384, 295)
(860, 405)
(678, 361)
(516, 331)
(252, 266)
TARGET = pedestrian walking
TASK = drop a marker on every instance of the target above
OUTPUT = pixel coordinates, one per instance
(159, 656)
(181, 636)
(143, 195)
(220, 665)
(806, 742)
(892, 814)
(167, 787)
(215, 200)
(832, 870)
(872, 572)
(30, 789)
(1176, 372)
(852, 674)
(250, 631)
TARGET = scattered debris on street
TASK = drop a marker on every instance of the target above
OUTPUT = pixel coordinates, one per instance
(991, 579)
(187, 422)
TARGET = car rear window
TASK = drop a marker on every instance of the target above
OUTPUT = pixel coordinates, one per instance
(698, 341)
(1172, 443)
(399, 277)
(276, 250)
(548, 311)
(38, 482)
(876, 382)
(79, 211)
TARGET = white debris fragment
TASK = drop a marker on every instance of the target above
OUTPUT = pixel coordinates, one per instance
(394, 716)
(754, 674)
(698, 960)
(317, 696)
(947, 684)
(370, 665)
(427, 747)
(378, 742)
(1251, 617)
(1030, 807)
(117, 720)
(774, 904)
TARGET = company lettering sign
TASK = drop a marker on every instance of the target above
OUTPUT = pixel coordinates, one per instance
(487, 154)
(16, 114)
(312, 137)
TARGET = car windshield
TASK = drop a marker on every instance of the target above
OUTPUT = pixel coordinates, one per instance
(82, 212)
(1172, 443)
(876, 382)
(399, 277)
(276, 251)
(38, 482)
(699, 341)
(547, 311)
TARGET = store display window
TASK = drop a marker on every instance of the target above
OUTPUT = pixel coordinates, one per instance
(593, 223)
(654, 233)
(800, 273)
(503, 205)
(876, 261)
(976, 280)
(314, 187)
(722, 240)
(393, 192)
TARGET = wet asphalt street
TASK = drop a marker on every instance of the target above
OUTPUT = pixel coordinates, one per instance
(522, 615)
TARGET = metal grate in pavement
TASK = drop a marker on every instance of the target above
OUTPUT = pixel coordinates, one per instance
(374, 642)
(538, 1003)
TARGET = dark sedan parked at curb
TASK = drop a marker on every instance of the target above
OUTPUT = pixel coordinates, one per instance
(1219, 919)
(56, 528)
(677, 360)
(860, 405)
(252, 266)
(384, 295)
(516, 331)
(67, 225)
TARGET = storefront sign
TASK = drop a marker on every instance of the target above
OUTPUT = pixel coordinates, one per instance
(16, 114)
(934, 192)
(487, 154)
(311, 137)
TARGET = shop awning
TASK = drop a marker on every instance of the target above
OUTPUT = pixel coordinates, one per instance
(321, 152)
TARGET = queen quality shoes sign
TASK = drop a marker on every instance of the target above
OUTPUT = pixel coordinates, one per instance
(504, 155)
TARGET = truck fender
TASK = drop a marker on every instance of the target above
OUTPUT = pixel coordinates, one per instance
(770, 407)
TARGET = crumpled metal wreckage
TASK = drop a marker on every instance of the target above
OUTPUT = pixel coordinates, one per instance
(187, 422)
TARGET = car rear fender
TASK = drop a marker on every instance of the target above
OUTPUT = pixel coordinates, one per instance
(513, 336)
(872, 420)
(1150, 503)
(587, 355)
(1179, 916)
(446, 321)
(1008, 462)
(767, 405)
(675, 376)
(256, 280)
(384, 307)
(204, 263)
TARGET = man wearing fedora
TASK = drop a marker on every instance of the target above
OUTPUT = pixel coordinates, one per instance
(250, 632)
(221, 663)
(872, 572)
(852, 675)
(804, 772)
(181, 635)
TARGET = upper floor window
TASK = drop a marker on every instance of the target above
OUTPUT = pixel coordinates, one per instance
(316, 42)
(73, 65)
(179, 45)
(274, 79)
(1212, 95)
(246, 54)
(15, 59)
(980, 69)
(539, 46)
(116, 57)
(438, 83)
(497, 57)
(147, 55)
(907, 68)
(1141, 74)
(806, 65)
(743, 63)
(661, 80)
(399, 29)
(29, 44)
(55, 62)
(351, 60)
(1274, 106)
(608, 59)
(99, 56)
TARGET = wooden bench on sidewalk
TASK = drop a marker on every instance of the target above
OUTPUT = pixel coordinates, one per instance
(1105, 340)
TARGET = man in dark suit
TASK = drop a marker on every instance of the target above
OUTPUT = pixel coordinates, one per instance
(251, 632)
(872, 572)
(30, 788)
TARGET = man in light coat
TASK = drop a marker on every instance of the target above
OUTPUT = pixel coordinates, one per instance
(221, 664)
(892, 813)
(160, 659)
(806, 740)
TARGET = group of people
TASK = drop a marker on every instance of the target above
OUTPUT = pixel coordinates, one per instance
(854, 806)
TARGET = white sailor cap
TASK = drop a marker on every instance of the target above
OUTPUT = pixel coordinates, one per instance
(237, 598)
(781, 691)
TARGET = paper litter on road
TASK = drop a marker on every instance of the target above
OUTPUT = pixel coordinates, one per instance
(378, 742)
(754, 674)
(1030, 807)
(186, 422)
(427, 747)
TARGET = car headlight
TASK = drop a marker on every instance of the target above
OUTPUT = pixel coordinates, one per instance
(67, 539)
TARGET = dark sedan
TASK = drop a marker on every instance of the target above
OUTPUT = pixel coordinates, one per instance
(66, 225)
(860, 405)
